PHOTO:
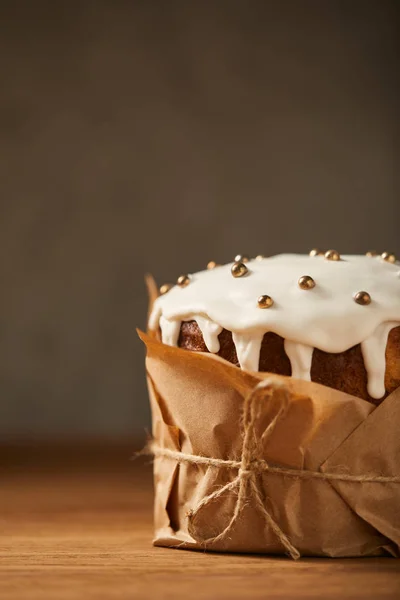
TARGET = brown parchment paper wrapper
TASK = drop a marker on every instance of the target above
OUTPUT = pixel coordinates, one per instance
(254, 462)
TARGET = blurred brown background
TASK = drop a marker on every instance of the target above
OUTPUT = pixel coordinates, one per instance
(153, 136)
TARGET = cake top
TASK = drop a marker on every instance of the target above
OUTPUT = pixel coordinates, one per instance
(323, 301)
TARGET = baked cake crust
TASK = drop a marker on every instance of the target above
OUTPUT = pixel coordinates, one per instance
(344, 371)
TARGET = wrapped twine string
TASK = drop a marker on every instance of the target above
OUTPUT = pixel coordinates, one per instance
(248, 469)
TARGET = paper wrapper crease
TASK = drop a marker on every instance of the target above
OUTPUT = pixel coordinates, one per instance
(254, 462)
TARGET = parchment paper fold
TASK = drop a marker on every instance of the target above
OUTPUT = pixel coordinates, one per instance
(254, 462)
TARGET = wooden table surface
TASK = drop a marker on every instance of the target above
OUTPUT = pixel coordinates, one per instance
(77, 523)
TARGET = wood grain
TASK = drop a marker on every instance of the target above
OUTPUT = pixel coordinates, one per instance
(77, 523)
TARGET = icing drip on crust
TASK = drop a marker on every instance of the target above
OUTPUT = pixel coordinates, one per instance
(248, 348)
(300, 357)
(210, 332)
(354, 300)
(170, 331)
(373, 350)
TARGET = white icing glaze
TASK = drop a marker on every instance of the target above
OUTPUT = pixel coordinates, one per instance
(300, 356)
(169, 331)
(210, 332)
(373, 351)
(325, 317)
(248, 347)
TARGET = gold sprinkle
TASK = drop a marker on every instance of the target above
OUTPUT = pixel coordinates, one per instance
(165, 288)
(371, 253)
(183, 280)
(211, 265)
(316, 252)
(241, 258)
(265, 301)
(332, 255)
(260, 256)
(239, 269)
(306, 282)
(362, 298)
(389, 257)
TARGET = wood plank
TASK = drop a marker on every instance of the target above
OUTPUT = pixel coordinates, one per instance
(82, 527)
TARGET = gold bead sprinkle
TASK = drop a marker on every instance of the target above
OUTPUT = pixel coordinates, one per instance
(362, 298)
(388, 257)
(265, 301)
(241, 258)
(371, 253)
(165, 288)
(332, 255)
(260, 256)
(316, 252)
(183, 280)
(306, 282)
(211, 265)
(239, 269)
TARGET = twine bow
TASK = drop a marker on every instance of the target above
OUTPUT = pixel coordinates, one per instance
(248, 468)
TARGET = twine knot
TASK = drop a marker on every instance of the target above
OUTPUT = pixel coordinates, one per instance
(245, 473)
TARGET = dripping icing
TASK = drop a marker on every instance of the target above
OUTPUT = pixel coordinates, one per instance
(300, 356)
(326, 318)
(248, 346)
(374, 354)
(210, 332)
(169, 331)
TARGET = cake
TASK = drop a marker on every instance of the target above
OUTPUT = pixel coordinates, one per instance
(322, 317)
